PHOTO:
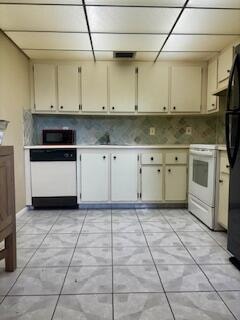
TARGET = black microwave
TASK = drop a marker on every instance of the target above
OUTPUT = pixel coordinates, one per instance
(58, 137)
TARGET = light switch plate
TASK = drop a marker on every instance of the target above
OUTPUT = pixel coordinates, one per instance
(152, 131)
(189, 130)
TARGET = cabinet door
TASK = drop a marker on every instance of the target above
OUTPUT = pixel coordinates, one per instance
(68, 88)
(122, 85)
(212, 85)
(153, 88)
(94, 88)
(223, 199)
(124, 173)
(45, 85)
(94, 177)
(225, 63)
(186, 89)
(152, 183)
(7, 207)
(176, 183)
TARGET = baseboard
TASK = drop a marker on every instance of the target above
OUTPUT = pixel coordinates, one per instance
(133, 206)
(21, 212)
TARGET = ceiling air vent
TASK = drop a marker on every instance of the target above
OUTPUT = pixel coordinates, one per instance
(124, 54)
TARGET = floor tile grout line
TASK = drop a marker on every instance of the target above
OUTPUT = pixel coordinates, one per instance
(68, 268)
(157, 272)
(199, 266)
(7, 294)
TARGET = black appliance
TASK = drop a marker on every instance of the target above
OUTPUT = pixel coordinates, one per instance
(41, 177)
(58, 137)
(232, 119)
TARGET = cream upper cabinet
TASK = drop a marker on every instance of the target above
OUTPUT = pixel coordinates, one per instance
(225, 60)
(212, 85)
(94, 87)
(122, 87)
(153, 88)
(175, 183)
(45, 85)
(69, 88)
(124, 177)
(186, 88)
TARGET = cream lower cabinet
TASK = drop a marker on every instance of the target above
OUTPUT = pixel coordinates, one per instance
(223, 191)
(175, 183)
(152, 183)
(124, 177)
(94, 175)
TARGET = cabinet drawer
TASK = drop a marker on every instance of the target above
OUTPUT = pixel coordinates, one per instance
(152, 158)
(176, 157)
(224, 164)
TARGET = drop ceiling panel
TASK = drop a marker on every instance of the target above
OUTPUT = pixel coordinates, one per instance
(121, 19)
(209, 21)
(135, 42)
(108, 55)
(215, 3)
(146, 56)
(59, 55)
(186, 56)
(42, 18)
(45, 40)
(44, 1)
(168, 3)
(198, 42)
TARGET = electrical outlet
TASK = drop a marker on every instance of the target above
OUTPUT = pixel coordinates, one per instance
(188, 131)
(152, 131)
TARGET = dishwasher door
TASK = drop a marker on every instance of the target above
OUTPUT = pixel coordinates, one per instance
(54, 179)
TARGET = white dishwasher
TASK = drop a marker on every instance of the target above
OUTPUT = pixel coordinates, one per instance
(54, 178)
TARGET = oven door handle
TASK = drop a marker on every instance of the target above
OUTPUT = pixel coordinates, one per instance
(202, 153)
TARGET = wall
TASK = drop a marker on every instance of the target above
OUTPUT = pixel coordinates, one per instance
(126, 130)
(14, 97)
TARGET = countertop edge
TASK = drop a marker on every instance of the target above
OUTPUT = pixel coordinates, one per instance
(175, 146)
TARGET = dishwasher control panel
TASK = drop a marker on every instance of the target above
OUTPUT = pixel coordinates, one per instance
(53, 154)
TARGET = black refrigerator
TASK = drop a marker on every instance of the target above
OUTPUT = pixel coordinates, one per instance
(232, 121)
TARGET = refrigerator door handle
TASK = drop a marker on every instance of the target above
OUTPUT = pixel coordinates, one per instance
(232, 155)
(235, 66)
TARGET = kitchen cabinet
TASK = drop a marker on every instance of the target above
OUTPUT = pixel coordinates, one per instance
(94, 88)
(186, 89)
(212, 85)
(45, 87)
(152, 183)
(223, 194)
(124, 177)
(225, 60)
(175, 183)
(153, 88)
(122, 88)
(69, 88)
(94, 174)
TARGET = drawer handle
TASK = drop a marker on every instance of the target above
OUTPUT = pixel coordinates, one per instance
(152, 158)
(169, 170)
(176, 158)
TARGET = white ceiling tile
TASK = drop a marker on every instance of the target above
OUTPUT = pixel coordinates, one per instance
(198, 42)
(209, 21)
(42, 18)
(44, 1)
(215, 3)
(146, 56)
(59, 55)
(136, 42)
(45, 40)
(186, 56)
(108, 55)
(170, 3)
(121, 19)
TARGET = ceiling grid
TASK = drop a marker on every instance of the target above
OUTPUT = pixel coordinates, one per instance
(81, 29)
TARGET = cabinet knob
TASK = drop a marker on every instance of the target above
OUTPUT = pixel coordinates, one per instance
(169, 170)
(164, 108)
(152, 158)
(103, 108)
(228, 71)
(114, 157)
(227, 166)
(159, 170)
(104, 157)
(221, 181)
(176, 158)
(174, 108)
(113, 108)
(61, 107)
(213, 104)
(51, 107)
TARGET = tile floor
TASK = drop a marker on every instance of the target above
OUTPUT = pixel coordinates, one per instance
(119, 264)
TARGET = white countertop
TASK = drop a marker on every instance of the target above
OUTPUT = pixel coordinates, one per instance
(222, 147)
(156, 146)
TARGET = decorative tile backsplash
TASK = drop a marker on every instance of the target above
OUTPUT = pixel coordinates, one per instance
(131, 130)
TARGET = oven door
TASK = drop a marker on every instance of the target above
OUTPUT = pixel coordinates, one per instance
(202, 175)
